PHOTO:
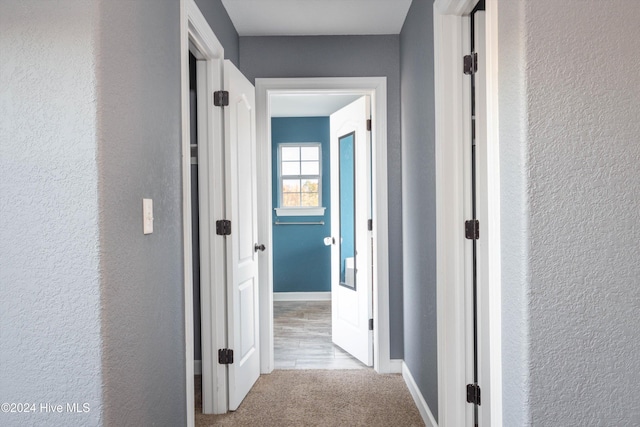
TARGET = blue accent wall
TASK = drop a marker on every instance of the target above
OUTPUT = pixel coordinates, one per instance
(301, 261)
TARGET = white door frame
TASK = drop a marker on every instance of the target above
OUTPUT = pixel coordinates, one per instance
(197, 37)
(452, 105)
(376, 87)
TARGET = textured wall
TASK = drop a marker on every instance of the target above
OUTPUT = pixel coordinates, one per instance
(347, 56)
(138, 72)
(419, 193)
(581, 95)
(514, 216)
(218, 19)
(301, 261)
(49, 280)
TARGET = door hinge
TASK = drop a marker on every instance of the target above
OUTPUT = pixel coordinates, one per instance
(370, 225)
(472, 229)
(225, 356)
(473, 394)
(368, 124)
(223, 227)
(221, 98)
(371, 324)
(471, 63)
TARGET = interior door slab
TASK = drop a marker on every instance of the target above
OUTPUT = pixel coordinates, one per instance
(351, 290)
(242, 258)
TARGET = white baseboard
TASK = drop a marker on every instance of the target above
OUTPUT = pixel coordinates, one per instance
(395, 366)
(302, 296)
(425, 412)
(197, 367)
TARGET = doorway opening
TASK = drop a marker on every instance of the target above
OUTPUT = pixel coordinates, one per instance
(195, 227)
(315, 226)
(375, 88)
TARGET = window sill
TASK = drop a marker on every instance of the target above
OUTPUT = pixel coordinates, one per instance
(300, 211)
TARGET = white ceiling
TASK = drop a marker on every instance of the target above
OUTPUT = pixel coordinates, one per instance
(308, 105)
(317, 17)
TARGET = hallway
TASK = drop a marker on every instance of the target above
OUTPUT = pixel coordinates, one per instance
(302, 337)
(315, 382)
(321, 398)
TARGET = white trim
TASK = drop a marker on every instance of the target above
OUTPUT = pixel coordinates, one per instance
(395, 366)
(493, 312)
(376, 87)
(198, 37)
(197, 367)
(186, 215)
(265, 229)
(300, 211)
(454, 7)
(302, 296)
(450, 264)
(423, 408)
(451, 42)
(300, 176)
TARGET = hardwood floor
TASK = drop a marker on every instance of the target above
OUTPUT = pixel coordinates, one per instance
(302, 337)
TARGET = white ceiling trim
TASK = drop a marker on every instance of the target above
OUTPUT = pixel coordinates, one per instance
(317, 17)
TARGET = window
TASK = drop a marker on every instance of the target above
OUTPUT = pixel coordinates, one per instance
(300, 180)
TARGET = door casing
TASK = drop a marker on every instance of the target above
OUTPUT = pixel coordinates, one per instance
(376, 88)
(453, 136)
(197, 37)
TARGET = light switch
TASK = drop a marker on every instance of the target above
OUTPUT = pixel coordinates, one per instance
(147, 216)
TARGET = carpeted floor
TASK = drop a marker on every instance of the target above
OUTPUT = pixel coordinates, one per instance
(321, 398)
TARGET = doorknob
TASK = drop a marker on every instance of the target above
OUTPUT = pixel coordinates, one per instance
(258, 247)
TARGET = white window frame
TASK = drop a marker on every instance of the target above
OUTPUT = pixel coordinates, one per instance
(300, 210)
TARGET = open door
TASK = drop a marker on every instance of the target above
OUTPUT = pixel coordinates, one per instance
(351, 279)
(242, 255)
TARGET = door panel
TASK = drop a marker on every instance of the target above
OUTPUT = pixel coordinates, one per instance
(246, 291)
(242, 260)
(351, 290)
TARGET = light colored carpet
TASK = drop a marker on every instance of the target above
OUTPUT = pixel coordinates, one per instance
(321, 398)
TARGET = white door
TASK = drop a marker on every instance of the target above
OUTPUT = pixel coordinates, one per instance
(351, 279)
(242, 257)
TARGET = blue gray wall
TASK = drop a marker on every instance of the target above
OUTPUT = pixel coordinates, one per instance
(139, 156)
(301, 261)
(419, 199)
(95, 127)
(50, 310)
(347, 56)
